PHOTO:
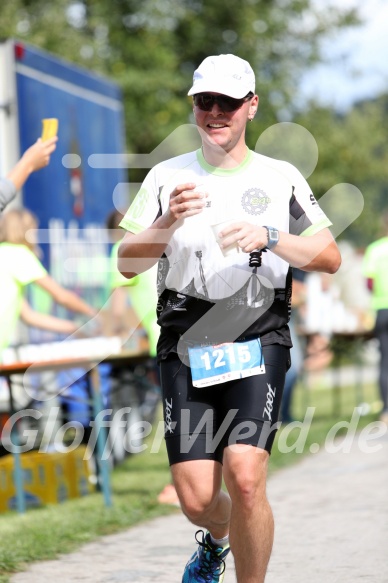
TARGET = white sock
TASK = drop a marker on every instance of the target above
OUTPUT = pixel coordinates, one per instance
(220, 542)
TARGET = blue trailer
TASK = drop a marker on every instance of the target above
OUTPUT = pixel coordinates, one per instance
(70, 198)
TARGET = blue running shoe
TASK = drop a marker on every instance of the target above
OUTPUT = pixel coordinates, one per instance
(207, 565)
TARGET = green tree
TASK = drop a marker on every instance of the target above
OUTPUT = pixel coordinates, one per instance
(353, 148)
(50, 26)
(152, 47)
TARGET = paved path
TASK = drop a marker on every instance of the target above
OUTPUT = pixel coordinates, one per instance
(331, 513)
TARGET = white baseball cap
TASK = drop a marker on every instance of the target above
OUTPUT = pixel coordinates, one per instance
(225, 74)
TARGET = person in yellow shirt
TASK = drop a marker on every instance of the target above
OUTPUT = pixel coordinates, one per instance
(19, 267)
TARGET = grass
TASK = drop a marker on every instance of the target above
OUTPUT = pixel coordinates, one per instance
(44, 533)
(331, 412)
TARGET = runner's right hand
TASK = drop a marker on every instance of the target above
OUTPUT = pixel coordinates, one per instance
(186, 201)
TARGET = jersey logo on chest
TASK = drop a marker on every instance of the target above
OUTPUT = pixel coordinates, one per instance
(255, 201)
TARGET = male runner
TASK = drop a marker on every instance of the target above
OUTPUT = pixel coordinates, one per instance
(223, 311)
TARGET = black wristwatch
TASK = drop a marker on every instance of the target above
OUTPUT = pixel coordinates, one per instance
(272, 237)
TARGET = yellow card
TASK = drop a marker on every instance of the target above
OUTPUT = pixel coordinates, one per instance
(50, 128)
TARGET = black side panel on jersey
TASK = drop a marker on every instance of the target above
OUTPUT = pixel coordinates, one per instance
(298, 219)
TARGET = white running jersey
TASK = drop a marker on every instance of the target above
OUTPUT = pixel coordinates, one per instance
(262, 191)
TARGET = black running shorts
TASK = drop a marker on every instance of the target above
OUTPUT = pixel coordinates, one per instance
(201, 422)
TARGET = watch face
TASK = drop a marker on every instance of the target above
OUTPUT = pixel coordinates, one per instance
(273, 237)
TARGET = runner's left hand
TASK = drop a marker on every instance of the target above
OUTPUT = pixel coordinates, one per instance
(248, 237)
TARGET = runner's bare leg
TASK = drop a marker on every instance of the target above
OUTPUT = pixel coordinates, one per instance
(251, 525)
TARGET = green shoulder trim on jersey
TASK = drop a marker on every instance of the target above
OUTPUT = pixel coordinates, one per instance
(223, 171)
(313, 229)
(129, 225)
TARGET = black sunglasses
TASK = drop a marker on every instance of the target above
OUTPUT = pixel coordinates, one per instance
(206, 101)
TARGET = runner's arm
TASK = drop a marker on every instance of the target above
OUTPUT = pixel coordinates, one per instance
(139, 252)
(318, 252)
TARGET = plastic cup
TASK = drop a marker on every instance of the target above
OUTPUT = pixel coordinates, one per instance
(231, 249)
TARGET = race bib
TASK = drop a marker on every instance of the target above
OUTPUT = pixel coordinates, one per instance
(212, 365)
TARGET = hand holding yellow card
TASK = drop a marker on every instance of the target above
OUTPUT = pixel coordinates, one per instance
(50, 128)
